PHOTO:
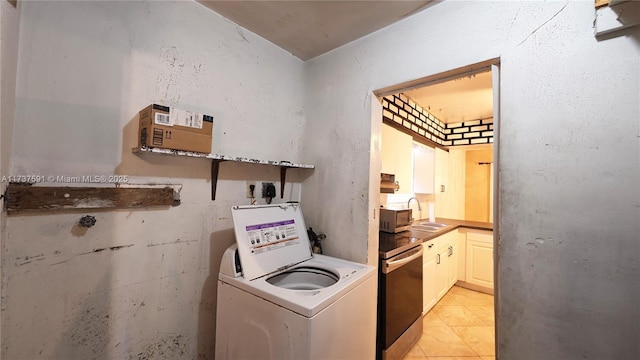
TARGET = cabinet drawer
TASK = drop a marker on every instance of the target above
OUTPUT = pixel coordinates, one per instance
(479, 235)
(430, 248)
(448, 239)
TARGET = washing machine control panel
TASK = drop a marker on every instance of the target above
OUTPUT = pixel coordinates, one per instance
(270, 237)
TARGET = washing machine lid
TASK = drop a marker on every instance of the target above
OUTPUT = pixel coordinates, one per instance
(270, 238)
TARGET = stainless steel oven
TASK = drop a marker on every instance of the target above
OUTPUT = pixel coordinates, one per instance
(400, 297)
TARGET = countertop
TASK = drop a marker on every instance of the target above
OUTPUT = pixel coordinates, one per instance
(393, 244)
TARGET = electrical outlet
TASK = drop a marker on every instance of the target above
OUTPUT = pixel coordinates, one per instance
(268, 190)
(251, 194)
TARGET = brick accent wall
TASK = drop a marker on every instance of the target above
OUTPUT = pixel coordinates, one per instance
(403, 111)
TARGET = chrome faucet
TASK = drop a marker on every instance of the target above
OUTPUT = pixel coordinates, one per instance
(419, 207)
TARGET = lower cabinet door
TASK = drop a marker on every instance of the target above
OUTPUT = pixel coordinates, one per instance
(453, 265)
(429, 295)
(479, 263)
(442, 272)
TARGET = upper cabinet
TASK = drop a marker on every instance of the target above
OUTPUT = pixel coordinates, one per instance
(396, 156)
(441, 174)
(450, 183)
(423, 169)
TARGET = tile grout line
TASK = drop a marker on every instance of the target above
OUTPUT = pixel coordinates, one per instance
(470, 347)
(478, 316)
(483, 321)
(452, 298)
(449, 327)
(465, 326)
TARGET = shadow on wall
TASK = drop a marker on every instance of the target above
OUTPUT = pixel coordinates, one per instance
(157, 165)
(219, 242)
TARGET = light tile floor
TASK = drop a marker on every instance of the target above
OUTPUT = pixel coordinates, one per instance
(459, 327)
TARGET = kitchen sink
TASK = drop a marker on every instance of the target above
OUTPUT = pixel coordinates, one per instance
(431, 227)
(426, 228)
(432, 224)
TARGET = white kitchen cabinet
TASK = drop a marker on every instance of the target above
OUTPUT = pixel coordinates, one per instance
(429, 256)
(479, 258)
(450, 177)
(453, 262)
(441, 172)
(440, 267)
(423, 169)
(442, 272)
(396, 156)
(462, 255)
(448, 270)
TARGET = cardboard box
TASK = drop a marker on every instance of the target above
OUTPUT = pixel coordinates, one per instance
(171, 128)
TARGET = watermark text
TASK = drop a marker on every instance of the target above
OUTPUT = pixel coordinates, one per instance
(66, 179)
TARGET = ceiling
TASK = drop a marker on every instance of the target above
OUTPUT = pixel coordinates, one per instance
(309, 28)
(463, 99)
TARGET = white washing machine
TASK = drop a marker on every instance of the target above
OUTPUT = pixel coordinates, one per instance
(277, 300)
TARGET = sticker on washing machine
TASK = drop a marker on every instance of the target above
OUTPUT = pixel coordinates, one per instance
(272, 236)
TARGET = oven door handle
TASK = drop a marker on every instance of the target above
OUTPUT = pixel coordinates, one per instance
(390, 265)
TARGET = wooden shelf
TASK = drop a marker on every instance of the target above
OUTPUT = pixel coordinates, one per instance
(216, 159)
(22, 199)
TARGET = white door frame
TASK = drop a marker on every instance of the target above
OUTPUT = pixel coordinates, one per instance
(492, 65)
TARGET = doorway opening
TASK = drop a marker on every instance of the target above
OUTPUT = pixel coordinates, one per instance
(453, 118)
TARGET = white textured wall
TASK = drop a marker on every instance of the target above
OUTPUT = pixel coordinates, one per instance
(570, 191)
(569, 169)
(9, 22)
(9, 32)
(84, 71)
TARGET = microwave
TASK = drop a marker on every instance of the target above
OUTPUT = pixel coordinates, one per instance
(395, 220)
